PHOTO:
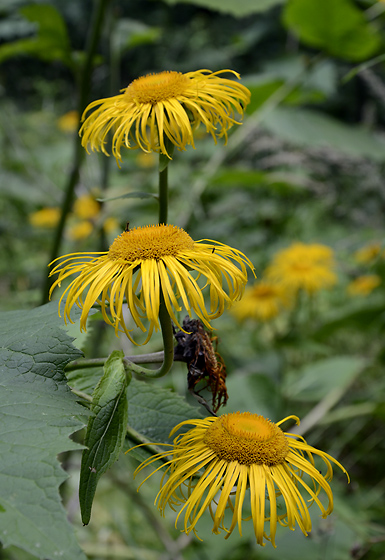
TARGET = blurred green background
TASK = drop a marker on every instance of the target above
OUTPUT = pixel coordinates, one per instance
(307, 165)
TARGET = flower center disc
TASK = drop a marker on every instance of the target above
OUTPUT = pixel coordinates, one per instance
(264, 292)
(301, 267)
(150, 242)
(157, 87)
(247, 438)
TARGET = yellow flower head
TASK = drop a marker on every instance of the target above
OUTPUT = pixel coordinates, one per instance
(262, 302)
(111, 224)
(165, 105)
(222, 463)
(45, 218)
(81, 230)
(364, 285)
(86, 207)
(69, 122)
(367, 254)
(309, 267)
(145, 264)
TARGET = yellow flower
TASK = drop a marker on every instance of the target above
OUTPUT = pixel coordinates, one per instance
(45, 218)
(303, 266)
(80, 231)
(146, 160)
(165, 105)
(367, 254)
(111, 224)
(263, 302)
(221, 463)
(363, 285)
(86, 207)
(161, 257)
(69, 122)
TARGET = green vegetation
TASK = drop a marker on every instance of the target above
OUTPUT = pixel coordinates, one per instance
(304, 171)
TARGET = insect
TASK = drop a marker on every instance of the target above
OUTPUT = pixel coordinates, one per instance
(127, 227)
(195, 347)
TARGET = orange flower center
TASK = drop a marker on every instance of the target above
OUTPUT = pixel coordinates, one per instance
(150, 242)
(265, 292)
(154, 88)
(247, 438)
(301, 267)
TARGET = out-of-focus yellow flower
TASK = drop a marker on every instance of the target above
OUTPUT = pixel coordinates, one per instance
(81, 230)
(222, 463)
(111, 224)
(69, 122)
(162, 107)
(145, 264)
(86, 207)
(146, 160)
(363, 285)
(46, 218)
(303, 266)
(368, 253)
(262, 302)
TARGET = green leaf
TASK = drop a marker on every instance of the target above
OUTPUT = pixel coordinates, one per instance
(106, 430)
(336, 26)
(51, 42)
(256, 393)
(352, 316)
(154, 411)
(129, 33)
(316, 380)
(309, 128)
(37, 414)
(240, 8)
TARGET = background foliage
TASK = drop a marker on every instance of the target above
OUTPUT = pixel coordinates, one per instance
(306, 165)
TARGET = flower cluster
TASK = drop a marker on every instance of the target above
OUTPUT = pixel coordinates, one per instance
(240, 463)
(303, 266)
(299, 267)
(86, 213)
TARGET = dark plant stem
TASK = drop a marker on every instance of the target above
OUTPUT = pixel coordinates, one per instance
(163, 195)
(84, 86)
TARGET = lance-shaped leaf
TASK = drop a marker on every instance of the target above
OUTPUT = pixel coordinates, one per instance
(106, 429)
(37, 414)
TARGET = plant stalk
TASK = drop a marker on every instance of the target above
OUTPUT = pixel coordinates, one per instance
(84, 81)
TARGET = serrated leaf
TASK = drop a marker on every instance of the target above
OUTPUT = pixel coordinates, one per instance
(240, 8)
(337, 26)
(106, 430)
(154, 411)
(37, 414)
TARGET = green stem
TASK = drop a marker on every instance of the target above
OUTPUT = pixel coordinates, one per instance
(164, 160)
(163, 195)
(84, 89)
(152, 358)
(132, 362)
(168, 348)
